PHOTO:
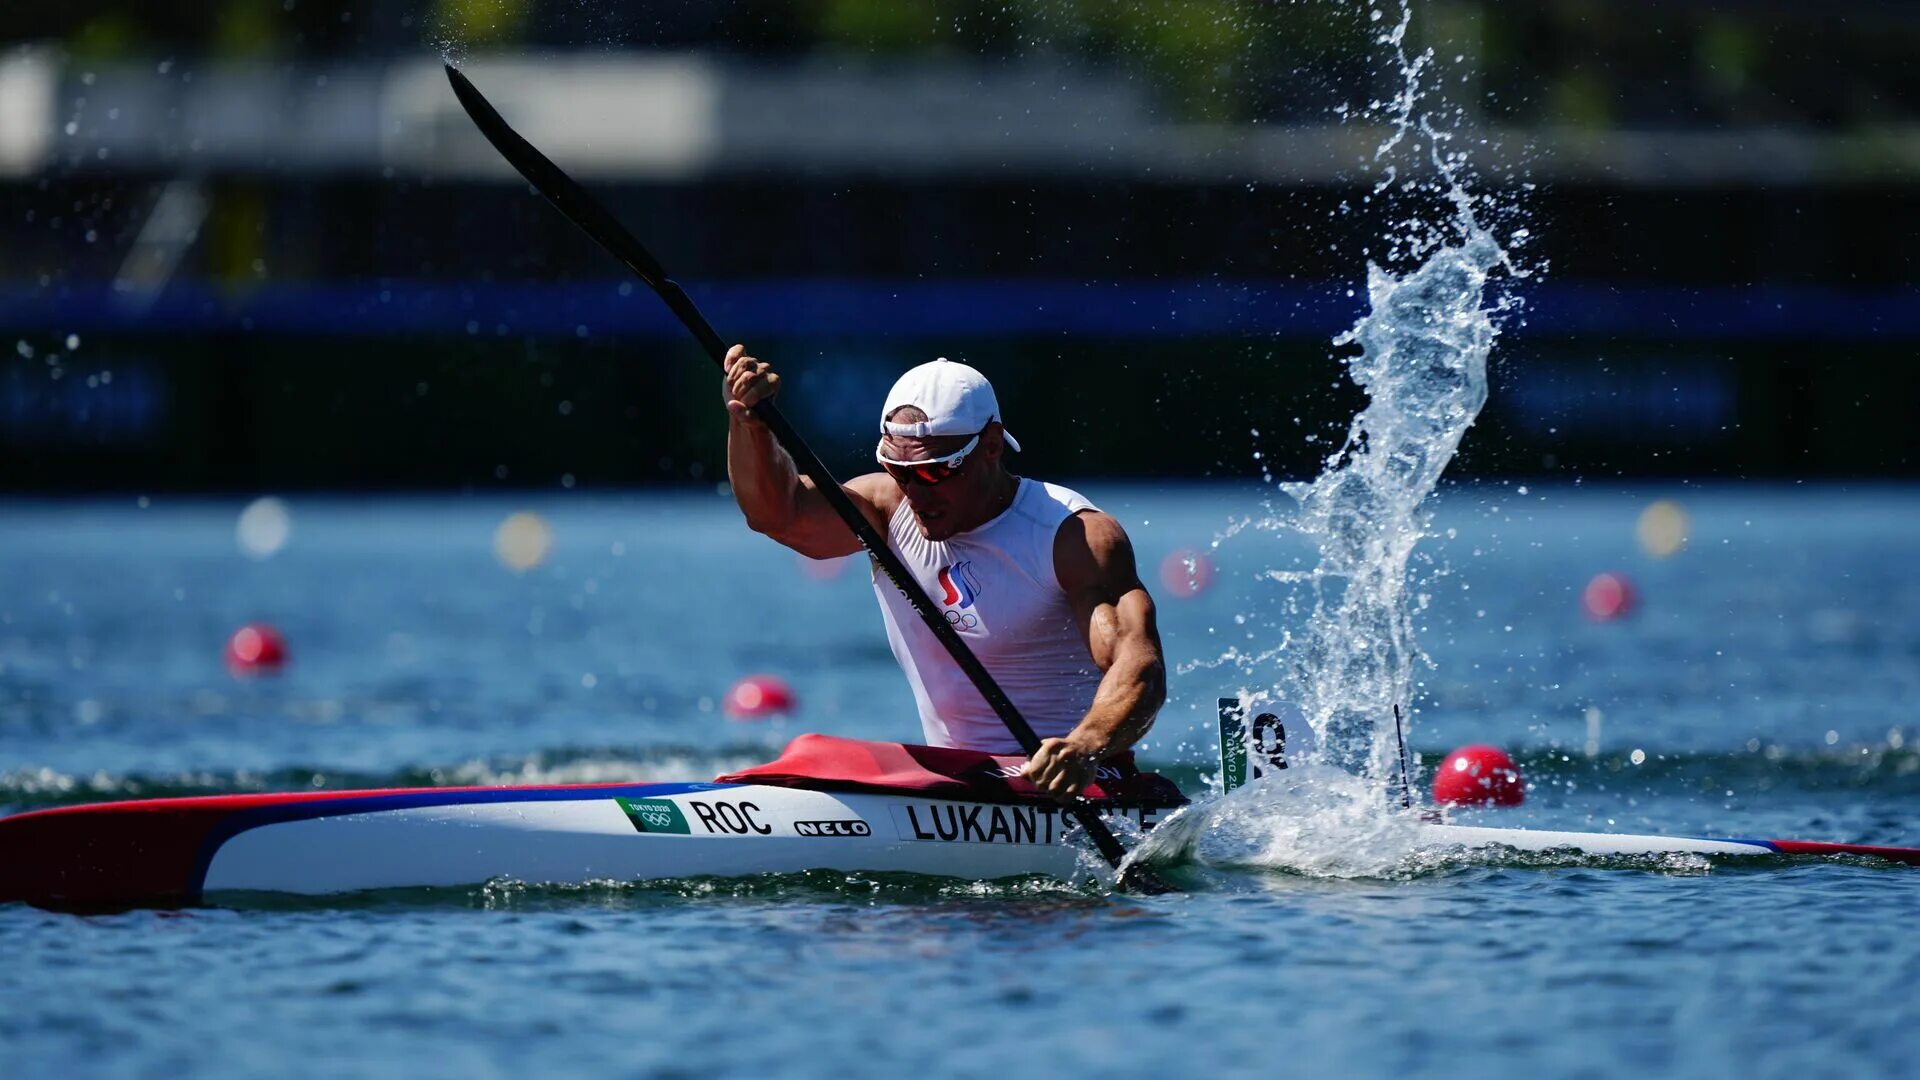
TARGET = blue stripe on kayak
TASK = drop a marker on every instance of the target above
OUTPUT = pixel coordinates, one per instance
(367, 804)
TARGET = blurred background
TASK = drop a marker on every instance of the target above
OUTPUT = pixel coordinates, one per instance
(255, 244)
(256, 263)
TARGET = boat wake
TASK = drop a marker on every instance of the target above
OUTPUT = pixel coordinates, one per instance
(1320, 826)
(1329, 826)
(1313, 819)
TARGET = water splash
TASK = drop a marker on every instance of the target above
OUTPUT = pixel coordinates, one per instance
(1423, 365)
(1436, 299)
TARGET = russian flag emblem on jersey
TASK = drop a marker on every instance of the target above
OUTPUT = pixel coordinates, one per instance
(958, 585)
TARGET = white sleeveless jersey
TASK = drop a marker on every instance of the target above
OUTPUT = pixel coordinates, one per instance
(996, 586)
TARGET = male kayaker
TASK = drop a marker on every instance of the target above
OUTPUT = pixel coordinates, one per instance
(1039, 581)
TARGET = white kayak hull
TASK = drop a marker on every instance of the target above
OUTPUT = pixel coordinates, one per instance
(1473, 837)
(729, 831)
(572, 842)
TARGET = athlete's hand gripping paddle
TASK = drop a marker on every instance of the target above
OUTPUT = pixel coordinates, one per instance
(580, 208)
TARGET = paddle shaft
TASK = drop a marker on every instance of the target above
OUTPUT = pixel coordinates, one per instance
(573, 201)
(1400, 736)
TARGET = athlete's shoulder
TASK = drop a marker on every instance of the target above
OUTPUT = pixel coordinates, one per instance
(1094, 531)
(1092, 550)
(1066, 496)
(877, 490)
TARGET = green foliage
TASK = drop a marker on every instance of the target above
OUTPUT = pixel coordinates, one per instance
(884, 26)
(1211, 58)
(247, 29)
(1197, 48)
(109, 35)
(1577, 98)
(1728, 54)
(480, 22)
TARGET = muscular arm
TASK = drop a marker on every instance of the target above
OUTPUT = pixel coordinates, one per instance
(1093, 560)
(776, 499)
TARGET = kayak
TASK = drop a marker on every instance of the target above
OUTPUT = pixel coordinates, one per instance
(190, 850)
(181, 851)
(826, 804)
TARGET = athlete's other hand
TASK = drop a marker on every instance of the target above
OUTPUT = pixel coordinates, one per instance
(748, 382)
(1063, 767)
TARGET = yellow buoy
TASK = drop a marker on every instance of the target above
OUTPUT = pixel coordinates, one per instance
(522, 541)
(1662, 530)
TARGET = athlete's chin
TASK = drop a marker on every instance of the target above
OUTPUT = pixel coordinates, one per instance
(935, 527)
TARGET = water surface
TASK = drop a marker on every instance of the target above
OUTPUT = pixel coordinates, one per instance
(1768, 681)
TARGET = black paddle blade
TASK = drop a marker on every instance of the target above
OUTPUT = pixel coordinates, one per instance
(559, 188)
(1142, 881)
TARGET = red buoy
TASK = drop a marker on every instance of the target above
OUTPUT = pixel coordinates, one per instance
(256, 649)
(1607, 597)
(1185, 573)
(1478, 776)
(758, 697)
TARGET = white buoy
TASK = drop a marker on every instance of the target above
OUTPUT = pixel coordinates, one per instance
(263, 528)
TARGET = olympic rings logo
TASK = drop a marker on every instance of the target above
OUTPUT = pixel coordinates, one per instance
(963, 620)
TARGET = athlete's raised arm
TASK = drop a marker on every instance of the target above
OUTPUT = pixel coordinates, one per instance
(775, 498)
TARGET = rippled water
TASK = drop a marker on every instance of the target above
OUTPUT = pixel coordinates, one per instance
(1768, 680)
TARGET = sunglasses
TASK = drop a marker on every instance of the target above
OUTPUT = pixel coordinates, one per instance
(935, 471)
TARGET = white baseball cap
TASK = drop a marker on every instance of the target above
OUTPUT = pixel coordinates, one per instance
(957, 400)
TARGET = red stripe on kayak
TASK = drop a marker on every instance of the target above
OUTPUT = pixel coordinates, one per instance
(832, 763)
(1910, 856)
(155, 851)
